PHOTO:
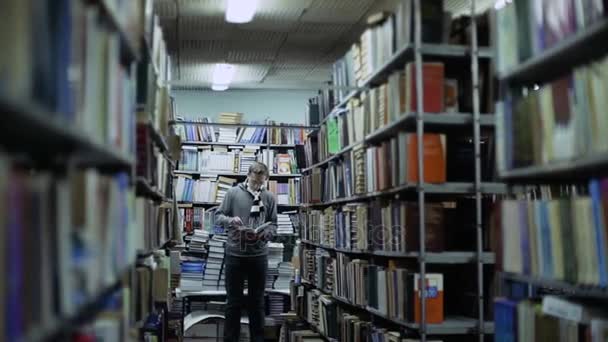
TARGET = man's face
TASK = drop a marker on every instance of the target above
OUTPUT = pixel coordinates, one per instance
(256, 180)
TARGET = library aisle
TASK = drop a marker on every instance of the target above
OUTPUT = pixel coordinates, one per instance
(438, 169)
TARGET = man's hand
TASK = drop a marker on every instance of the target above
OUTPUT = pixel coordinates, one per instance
(236, 221)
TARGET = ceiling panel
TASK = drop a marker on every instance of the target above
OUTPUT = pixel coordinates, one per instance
(288, 40)
(336, 11)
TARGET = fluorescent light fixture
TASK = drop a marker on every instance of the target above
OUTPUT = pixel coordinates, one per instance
(222, 76)
(219, 87)
(240, 11)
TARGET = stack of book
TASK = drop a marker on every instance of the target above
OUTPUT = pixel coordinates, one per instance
(228, 134)
(247, 157)
(198, 241)
(214, 273)
(285, 276)
(553, 318)
(284, 225)
(540, 235)
(276, 304)
(562, 120)
(223, 185)
(275, 257)
(192, 270)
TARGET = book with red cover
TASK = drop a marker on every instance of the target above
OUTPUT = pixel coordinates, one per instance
(434, 297)
(189, 220)
(434, 158)
(433, 79)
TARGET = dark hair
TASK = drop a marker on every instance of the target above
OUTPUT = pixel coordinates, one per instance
(258, 169)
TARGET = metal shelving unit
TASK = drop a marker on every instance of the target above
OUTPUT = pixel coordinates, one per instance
(420, 123)
(431, 258)
(232, 174)
(589, 44)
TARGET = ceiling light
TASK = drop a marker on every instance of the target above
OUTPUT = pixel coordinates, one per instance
(240, 11)
(219, 87)
(222, 76)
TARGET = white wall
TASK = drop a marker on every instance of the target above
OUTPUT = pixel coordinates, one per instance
(286, 106)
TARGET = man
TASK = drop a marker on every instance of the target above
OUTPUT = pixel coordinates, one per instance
(246, 207)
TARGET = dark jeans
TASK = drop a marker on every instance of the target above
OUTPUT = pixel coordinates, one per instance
(237, 270)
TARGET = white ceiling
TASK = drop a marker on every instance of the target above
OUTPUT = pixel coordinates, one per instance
(289, 43)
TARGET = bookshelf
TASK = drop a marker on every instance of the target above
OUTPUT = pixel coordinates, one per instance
(431, 257)
(552, 62)
(543, 278)
(68, 148)
(472, 122)
(450, 326)
(407, 54)
(30, 128)
(232, 174)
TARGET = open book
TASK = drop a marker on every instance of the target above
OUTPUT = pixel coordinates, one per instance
(257, 230)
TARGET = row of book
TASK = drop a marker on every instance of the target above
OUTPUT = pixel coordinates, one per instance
(193, 219)
(151, 164)
(238, 159)
(540, 235)
(386, 35)
(332, 321)
(392, 291)
(550, 319)
(66, 60)
(154, 224)
(393, 226)
(206, 190)
(525, 29)
(394, 163)
(201, 131)
(561, 120)
(213, 190)
(83, 234)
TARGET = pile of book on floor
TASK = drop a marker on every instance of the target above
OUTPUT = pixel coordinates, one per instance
(276, 304)
(285, 276)
(284, 225)
(192, 270)
(275, 257)
(214, 274)
(197, 242)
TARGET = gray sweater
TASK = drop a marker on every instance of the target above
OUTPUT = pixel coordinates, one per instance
(238, 202)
